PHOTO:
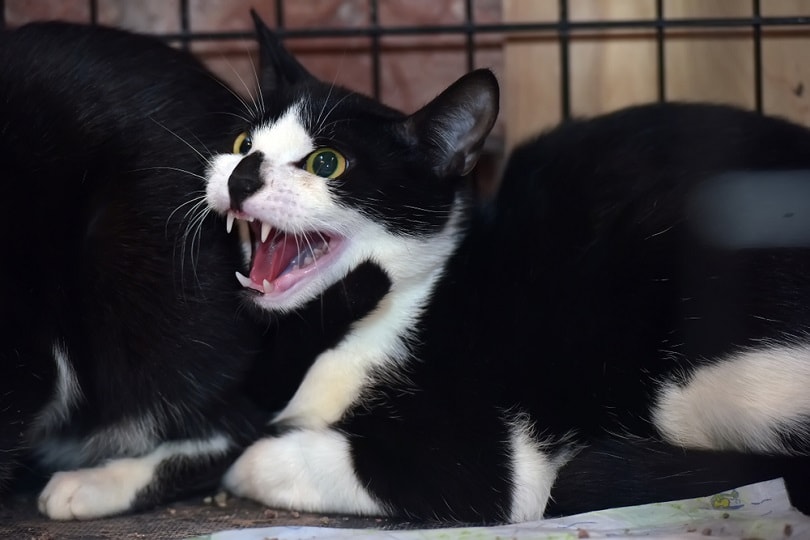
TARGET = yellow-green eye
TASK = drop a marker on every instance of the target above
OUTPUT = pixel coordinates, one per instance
(242, 143)
(325, 162)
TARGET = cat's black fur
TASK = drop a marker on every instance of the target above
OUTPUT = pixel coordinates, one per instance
(109, 257)
(615, 267)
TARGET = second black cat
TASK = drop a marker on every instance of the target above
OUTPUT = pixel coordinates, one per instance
(123, 344)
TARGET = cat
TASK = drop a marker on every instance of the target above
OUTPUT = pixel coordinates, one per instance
(124, 341)
(624, 321)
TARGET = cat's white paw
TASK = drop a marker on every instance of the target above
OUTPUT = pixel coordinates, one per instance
(244, 477)
(91, 493)
(302, 470)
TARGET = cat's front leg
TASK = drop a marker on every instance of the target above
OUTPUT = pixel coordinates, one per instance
(95, 492)
(308, 470)
(127, 484)
(411, 471)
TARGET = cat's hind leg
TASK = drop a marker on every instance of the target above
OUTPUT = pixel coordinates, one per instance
(629, 471)
(756, 400)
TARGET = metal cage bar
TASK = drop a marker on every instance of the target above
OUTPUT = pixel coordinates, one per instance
(93, 11)
(280, 23)
(469, 44)
(660, 52)
(185, 25)
(758, 82)
(565, 60)
(571, 27)
(374, 21)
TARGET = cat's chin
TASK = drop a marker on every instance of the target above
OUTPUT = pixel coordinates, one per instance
(286, 269)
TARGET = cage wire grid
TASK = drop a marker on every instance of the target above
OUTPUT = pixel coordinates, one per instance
(563, 28)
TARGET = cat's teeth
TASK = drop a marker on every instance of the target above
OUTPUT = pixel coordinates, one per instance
(268, 287)
(229, 219)
(265, 231)
(243, 280)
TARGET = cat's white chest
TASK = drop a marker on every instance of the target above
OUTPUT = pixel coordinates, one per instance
(336, 381)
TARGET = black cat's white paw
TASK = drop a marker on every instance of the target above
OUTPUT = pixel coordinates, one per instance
(93, 493)
(309, 470)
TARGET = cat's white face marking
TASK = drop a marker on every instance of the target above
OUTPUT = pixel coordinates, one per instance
(294, 202)
(111, 488)
(286, 140)
(66, 392)
(742, 402)
(303, 470)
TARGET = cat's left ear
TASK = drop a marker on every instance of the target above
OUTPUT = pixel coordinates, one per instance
(278, 67)
(453, 127)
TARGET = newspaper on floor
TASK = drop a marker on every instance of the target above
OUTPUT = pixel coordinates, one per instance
(758, 511)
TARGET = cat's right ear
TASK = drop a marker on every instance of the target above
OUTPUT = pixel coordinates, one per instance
(278, 67)
(453, 127)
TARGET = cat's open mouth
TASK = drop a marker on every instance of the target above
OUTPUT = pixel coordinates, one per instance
(280, 260)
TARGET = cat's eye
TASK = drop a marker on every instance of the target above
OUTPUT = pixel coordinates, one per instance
(242, 144)
(326, 163)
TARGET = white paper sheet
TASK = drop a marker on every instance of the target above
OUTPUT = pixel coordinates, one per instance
(760, 511)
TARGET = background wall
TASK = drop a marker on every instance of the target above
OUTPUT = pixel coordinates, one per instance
(614, 68)
(606, 68)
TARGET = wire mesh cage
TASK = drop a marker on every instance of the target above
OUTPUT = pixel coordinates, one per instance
(556, 58)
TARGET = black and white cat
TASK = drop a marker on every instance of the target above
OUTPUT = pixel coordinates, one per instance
(123, 341)
(626, 321)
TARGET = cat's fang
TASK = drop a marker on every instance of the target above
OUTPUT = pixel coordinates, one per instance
(265, 231)
(268, 287)
(229, 219)
(244, 280)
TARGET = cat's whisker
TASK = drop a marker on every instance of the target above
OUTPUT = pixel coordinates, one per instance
(194, 200)
(276, 235)
(239, 116)
(298, 244)
(199, 214)
(321, 131)
(193, 220)
(235, 94)
(323, 106)
(319, 127)
(259, 92)
(175, 169)
(204, 146)
(204, 159)
(329, 95)
(437, 211)
(198, 203)
(257, 109)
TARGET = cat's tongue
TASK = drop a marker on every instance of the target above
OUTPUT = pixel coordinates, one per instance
(273, 256)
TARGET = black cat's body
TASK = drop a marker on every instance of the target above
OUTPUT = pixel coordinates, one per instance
(574, 295)
(122, 335)
(625, 322)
